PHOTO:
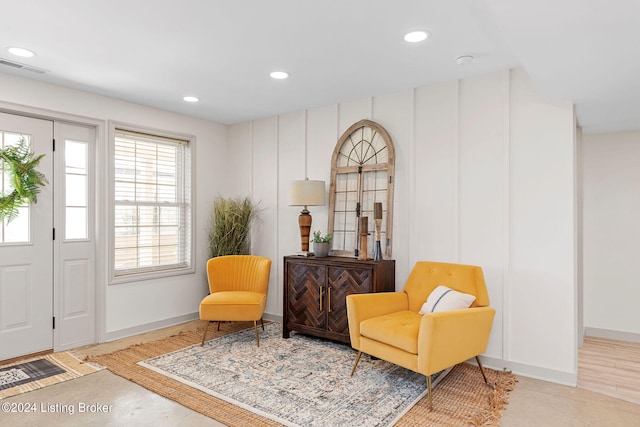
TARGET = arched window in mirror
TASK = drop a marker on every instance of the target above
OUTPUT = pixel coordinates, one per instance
(362, 169)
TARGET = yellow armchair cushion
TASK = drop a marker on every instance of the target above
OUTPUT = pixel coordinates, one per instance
(399, 330)
(233, 305)
(361, 307)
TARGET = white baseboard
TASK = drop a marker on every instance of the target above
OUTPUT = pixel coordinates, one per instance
(537, 372)
(612, 335)
(148, 327)
(165, 323)
(272, 317)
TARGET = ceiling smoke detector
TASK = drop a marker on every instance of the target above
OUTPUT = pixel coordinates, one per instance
(464, 59)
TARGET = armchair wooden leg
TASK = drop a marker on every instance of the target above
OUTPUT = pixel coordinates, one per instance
(430, 392)
(204, 335)
(355, 365)
(219, 321)
(255, 326)
(262, 323)
(482, 370)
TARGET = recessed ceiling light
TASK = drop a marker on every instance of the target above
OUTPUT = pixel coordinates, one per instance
(416, 36)
(190, 98)
(20, 51)
(464, 59)
(279, 75)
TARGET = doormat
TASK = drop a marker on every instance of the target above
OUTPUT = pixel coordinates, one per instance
(26, 372)
(300, 381)
(32, 374)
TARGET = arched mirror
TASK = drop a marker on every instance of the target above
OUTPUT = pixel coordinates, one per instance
(362, 169)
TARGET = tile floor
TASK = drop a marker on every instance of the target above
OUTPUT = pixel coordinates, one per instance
(533, 403)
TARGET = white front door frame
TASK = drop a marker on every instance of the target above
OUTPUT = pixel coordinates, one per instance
(98, 219)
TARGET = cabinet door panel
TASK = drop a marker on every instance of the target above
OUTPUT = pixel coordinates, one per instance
(306, 292)
(343, 282)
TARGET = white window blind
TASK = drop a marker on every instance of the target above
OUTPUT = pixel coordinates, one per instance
(152, 203)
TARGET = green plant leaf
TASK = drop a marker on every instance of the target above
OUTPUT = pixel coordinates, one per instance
(21, 164)
(230, 226)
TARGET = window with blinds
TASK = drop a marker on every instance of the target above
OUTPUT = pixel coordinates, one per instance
(151, 204)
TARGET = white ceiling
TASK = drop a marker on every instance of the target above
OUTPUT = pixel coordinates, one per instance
(153, 52)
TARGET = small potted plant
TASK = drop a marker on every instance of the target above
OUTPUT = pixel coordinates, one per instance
(321, 244)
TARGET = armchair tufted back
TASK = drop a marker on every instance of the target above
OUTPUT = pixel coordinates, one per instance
(426, 276)
(239, 273)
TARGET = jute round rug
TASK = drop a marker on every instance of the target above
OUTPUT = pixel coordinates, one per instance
(460, 399)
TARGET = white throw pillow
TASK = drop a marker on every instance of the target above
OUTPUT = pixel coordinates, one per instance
(443, 298)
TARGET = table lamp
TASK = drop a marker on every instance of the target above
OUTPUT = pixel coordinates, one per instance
(306, 193)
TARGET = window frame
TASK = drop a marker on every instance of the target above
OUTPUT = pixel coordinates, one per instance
(366, 209)
(190, 246)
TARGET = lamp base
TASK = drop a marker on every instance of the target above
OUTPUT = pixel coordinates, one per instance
(304, 221)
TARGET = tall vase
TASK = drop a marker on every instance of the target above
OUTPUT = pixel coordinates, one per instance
(377, 251)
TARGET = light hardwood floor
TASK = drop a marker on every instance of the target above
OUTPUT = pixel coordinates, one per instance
(610, 367)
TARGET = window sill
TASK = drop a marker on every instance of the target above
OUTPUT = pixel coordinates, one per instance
(139, 277)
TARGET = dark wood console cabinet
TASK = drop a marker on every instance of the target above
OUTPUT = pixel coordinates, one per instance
(315, 290)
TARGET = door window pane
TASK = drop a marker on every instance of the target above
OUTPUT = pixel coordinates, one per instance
(76, 191)
(17, 231)
(75, 223)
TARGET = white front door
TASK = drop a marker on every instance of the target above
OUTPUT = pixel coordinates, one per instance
(26, 249)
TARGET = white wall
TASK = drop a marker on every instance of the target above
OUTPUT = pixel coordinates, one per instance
(484, 175)
(611, 186)
(541, 282)
(137, 306)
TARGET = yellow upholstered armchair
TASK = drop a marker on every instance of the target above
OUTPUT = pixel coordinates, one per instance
(238, 286)
(388, 325)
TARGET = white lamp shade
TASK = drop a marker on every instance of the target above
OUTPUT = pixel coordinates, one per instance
(306, 193)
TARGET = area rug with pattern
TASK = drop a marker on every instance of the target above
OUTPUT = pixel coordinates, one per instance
(302, 381)
(37, 372)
